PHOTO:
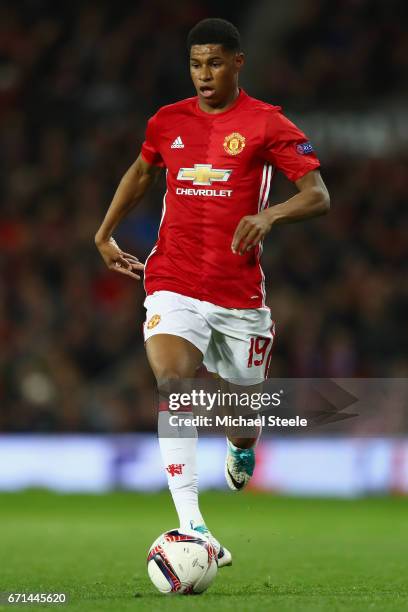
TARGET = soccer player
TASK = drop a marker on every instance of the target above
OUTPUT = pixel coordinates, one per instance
(205, 286)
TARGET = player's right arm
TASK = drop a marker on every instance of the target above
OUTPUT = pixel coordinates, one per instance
(130, 191)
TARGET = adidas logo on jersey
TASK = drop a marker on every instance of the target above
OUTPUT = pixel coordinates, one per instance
(177, 144)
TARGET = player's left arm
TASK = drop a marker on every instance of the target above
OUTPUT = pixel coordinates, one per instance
(312, 200)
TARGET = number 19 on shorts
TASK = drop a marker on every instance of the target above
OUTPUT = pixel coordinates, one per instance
(258, 352)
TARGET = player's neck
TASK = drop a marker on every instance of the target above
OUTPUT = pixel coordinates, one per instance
(222, 106)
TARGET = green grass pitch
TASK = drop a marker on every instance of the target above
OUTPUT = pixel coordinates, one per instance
(288, 554)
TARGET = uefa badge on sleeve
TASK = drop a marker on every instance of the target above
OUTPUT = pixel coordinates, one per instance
(304, 148)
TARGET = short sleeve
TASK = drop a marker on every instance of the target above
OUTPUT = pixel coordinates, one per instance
(150, 149)
(287, 148)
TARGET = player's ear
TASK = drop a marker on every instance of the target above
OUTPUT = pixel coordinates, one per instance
(239, 60)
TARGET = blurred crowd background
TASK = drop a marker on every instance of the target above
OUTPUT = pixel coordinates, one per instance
(78, 81)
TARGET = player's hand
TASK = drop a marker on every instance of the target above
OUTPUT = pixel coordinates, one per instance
(118, 260)
(250, 231)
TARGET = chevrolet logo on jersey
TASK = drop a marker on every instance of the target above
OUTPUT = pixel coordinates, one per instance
(203, 174)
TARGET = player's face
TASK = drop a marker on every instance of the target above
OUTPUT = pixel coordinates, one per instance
(214, 71)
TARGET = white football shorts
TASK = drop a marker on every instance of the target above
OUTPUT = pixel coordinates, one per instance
(236, 343)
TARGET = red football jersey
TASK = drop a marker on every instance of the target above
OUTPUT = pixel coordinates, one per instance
(219, 169)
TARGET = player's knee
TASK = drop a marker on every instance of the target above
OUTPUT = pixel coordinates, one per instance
(169, 381)
(167, 376)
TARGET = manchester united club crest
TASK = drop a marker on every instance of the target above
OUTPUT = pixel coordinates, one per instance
(234, 143)
(153, 321)
(175, 468)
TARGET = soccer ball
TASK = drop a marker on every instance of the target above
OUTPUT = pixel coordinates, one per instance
(182, 562)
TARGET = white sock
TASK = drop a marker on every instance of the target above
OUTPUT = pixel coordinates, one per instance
(178, 446)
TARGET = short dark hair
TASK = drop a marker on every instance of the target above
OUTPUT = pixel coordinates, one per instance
(215, 31)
